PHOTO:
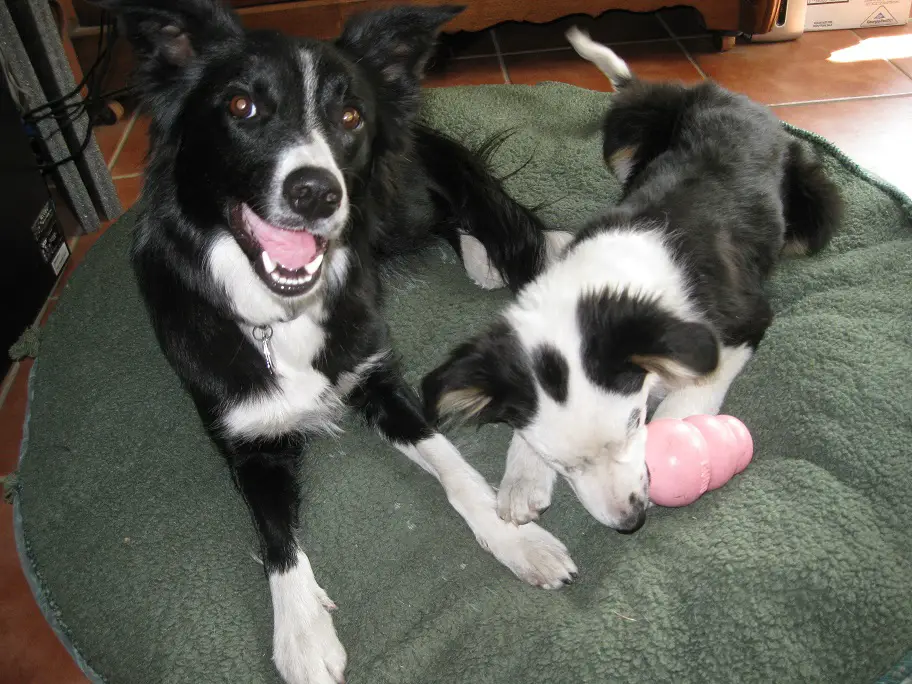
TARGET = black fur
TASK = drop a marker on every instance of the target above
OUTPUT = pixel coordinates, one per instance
(729, 187)
(405, 184)
(552, 372)
(494, 366)
(726, 188)
(617, 328)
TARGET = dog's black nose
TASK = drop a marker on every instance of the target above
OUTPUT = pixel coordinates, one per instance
(634, 521)
(312, 192)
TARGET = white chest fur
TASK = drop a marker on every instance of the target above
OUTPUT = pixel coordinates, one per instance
(305, 400)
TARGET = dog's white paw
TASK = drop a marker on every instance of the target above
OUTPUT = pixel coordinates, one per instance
(521, 500)
(533, 554)
(477, 265)
(305, 647)
(310, 653)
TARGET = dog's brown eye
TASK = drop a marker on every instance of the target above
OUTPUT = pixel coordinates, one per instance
(242, 107)
(351, 118)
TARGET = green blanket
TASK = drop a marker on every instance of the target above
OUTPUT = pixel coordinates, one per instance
(799, 570)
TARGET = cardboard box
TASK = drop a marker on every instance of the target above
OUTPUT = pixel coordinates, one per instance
(823, 15)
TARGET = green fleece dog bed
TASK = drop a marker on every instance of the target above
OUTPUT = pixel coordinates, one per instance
(799, 570)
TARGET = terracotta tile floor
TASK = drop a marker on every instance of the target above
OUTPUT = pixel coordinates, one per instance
(861, 99)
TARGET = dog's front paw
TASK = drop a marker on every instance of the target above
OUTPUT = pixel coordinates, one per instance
(309, 652)
(521, 500)
(534, 555)
(305, 647)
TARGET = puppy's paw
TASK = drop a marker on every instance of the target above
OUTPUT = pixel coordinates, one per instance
(520, 501)
(533, 554)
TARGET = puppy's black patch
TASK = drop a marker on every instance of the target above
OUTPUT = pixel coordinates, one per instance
(633, 422)
(619, 329)
(552, 372)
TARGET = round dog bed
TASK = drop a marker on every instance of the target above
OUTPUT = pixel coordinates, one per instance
(799, 570)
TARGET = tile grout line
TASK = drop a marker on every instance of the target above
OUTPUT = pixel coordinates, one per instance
(887, 60)
(500, 59)
(511, 53)
(123, 140)
(127, 176)
(853, 98)
(681, 47)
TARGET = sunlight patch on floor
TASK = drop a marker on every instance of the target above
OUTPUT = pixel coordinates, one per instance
(887, 47)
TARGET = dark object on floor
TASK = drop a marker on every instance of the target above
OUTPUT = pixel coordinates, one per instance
(795, 572)
(32, 249)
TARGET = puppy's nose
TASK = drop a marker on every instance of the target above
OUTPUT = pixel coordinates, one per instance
(312, 192)
(634, 521)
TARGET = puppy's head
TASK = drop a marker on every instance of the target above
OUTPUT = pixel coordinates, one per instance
(269, 139)
(576, 387)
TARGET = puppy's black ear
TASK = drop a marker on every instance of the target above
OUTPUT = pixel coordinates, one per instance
(681, 352)
(167, 34)
(485, 380)
(625, 334)
(396, 43)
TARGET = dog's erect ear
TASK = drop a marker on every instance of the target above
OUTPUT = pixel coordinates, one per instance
(485, 380)
(396, 43)
(682, 353)
(168, 34)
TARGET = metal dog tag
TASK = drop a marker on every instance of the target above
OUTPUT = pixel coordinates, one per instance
(262, 334)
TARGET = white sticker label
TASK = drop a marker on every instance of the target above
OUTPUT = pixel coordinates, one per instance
(60, 259)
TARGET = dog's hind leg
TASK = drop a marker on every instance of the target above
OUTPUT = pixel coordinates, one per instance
(500, 241)
(530, 552)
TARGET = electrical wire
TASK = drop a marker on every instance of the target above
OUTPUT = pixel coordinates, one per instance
(67, 112)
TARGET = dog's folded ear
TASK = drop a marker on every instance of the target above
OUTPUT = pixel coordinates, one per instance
(396, 43)
(168, 34)
(625, 336)
(484, 380)
(682, 353)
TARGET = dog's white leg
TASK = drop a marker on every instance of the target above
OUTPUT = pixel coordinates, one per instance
(305, 647)
(528, 481)
(706, 397)
(530, 552)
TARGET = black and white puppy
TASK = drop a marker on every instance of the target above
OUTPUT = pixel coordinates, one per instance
(662, 295)
(281, 170)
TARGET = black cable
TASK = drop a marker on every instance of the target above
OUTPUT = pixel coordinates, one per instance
(73, 157)
(101, 49)
(67, 113)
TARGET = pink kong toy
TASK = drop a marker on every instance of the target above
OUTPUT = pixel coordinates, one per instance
(687, 458)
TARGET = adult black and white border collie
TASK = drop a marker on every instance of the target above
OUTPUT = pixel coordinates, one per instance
(662, 295)
(281, 169)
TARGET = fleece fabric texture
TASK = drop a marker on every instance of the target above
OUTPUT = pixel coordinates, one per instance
(798, 570)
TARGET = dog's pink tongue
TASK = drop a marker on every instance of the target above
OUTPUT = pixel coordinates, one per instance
(289, 248)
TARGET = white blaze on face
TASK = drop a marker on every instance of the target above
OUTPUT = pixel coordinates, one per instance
(311, 150)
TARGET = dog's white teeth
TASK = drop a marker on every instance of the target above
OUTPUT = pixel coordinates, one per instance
(312, 267)
(268, 264)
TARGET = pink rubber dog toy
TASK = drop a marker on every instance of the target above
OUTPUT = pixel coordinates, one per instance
(687, 458)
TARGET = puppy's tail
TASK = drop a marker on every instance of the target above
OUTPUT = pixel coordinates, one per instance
(813, 205)
(603, 57)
